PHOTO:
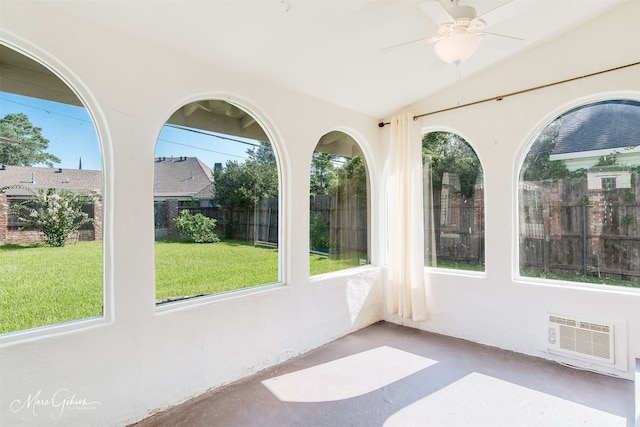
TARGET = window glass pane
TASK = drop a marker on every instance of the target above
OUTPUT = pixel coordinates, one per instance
(453, 203)
(339, 215)
(578, 197)
(216, 208)
(50, 202)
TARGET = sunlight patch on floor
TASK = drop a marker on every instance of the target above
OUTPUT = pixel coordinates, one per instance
(348, 377)
(481, 400)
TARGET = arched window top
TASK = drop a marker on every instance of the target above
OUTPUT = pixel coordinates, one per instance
(339, 143)
(220, 116)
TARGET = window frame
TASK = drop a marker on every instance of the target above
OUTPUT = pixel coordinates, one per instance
(455, 271)
(274, 139)
(69, 79)
(366, 158)
(528, 141)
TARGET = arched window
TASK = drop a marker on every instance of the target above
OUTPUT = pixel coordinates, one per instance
(50, 200)
(453, 203)
(579, 193)
(216, 203)
(339, 214)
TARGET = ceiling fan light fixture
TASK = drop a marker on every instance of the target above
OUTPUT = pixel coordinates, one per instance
(457, 47)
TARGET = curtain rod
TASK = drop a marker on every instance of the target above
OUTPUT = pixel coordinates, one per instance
(519, 92)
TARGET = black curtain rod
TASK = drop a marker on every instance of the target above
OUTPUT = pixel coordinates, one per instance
(501, 97)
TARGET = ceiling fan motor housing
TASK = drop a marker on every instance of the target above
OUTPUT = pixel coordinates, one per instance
(462, 12)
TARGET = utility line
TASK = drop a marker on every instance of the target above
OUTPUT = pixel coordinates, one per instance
(200, 148)
(215, 135)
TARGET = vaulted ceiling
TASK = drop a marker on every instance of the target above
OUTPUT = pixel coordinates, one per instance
(334, 50)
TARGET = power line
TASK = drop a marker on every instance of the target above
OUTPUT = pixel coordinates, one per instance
(200, 148)
(211, 134)
(47, 110)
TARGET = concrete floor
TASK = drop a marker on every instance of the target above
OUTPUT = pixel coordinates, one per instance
(393, 376)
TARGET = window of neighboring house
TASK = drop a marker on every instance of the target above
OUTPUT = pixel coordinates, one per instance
(609, 183)
(216, 203)
(579, 197)
(50, 206)
(453, 203)
(339, 214)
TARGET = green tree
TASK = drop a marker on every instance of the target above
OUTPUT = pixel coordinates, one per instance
(263, 170)
(448, 152)
(323, 173)
(240, 185)
(352, 179)
(537, 166)
(55, 214)
(233, 186)
(31, 145)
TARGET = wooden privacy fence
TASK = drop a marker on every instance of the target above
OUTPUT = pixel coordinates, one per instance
(347, 222)
(459, 228)
(601, 241)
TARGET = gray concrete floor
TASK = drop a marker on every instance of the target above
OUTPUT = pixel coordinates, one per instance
(393, 376)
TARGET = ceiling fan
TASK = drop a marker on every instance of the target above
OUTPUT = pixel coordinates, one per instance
(460, 30)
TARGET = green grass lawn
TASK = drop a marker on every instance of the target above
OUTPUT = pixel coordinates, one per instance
(40, 285)
(186, 269)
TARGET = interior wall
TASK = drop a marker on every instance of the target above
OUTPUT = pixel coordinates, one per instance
(497, 307)
(139, 358)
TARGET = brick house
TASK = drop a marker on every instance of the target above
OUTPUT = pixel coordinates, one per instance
(178, 182)
(39, 178)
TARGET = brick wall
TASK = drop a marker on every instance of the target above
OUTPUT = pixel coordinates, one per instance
(29, 236)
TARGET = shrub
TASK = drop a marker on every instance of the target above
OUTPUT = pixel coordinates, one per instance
(55, 214)
(319, 233)
(197, 227)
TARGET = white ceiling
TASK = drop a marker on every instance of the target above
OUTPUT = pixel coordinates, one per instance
(332, 49)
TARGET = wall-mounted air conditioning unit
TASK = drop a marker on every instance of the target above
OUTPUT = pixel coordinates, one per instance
(581, 338)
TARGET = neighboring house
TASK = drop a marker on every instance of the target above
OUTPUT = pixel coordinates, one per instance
(599, 130)
(178, 181)
(184, 179)
(608, 177)
(34, 179)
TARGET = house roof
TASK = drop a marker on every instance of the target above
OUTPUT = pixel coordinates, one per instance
(37, 178)
(173, 177)
(182, 177)
(601, 126)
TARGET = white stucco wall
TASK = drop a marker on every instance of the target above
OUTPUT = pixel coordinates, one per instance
(138, 359)
(497, 307)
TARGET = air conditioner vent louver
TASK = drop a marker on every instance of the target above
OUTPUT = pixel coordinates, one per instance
(581, 338)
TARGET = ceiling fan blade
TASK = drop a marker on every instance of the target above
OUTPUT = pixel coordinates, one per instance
(425, 40)
(501, 35)
(436, 12)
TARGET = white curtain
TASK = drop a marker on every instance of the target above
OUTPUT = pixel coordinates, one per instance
(405, 291)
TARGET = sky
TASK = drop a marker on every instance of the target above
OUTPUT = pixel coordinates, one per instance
(72, 135)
